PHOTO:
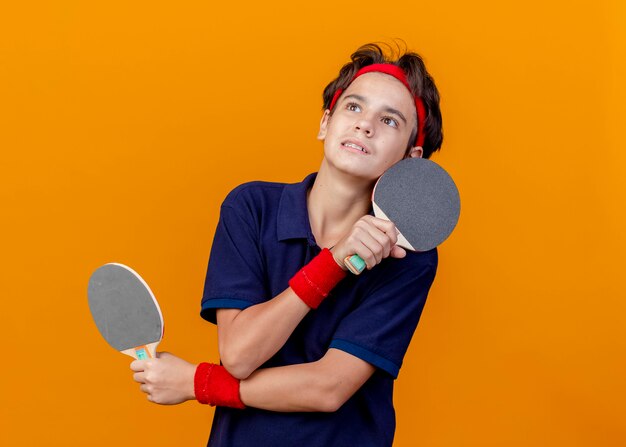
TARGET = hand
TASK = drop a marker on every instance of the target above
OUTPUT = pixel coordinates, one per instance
(372, 238)
(167, 379)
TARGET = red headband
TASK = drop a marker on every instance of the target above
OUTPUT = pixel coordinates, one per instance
(398, 73)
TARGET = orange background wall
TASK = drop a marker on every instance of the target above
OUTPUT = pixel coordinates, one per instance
(124, 124)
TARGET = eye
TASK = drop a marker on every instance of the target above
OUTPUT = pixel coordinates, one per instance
(390, 121)
(353, 107)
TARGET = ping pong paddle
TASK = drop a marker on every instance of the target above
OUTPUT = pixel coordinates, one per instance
(125, 310)
(422, 201)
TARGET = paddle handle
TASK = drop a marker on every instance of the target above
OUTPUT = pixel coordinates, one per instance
(355, 264)
(143, 352)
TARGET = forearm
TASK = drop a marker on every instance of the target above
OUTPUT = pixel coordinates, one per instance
(318, 386)
(250, 337)
(288, 388)
(323, 386)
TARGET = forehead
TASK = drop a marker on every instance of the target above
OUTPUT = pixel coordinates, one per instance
(383, 90)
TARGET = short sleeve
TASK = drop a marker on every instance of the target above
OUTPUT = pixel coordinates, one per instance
(380, 328)
(235, 272)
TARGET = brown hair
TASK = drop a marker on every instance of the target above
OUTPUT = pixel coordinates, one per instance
(422, 85)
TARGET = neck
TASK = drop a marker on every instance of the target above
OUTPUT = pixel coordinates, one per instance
(335, 202)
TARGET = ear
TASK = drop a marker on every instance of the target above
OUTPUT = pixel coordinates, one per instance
(416, 152)
(323, 125)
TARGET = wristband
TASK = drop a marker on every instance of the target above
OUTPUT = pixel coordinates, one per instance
(213, 385)
(314, 281)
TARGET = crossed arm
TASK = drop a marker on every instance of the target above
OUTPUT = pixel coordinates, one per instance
(247, 338)
(250, 337)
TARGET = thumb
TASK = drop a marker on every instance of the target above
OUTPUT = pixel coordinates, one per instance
(397, 252)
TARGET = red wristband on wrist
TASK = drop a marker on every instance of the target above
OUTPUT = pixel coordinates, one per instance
(214, 385)
(314, 281)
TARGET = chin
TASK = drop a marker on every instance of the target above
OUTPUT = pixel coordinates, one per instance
(357, 171)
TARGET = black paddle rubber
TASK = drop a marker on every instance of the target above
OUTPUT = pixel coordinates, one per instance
(123, 307)
(421, 199)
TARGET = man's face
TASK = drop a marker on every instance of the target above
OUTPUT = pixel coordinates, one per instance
(370, 128)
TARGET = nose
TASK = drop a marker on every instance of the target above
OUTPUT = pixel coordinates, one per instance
(365, 125)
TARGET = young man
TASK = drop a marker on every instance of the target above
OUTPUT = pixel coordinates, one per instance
(309, 351)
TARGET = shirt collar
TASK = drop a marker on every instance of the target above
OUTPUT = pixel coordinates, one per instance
(293, 215)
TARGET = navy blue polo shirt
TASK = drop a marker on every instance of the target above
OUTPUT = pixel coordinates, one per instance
(262, 239)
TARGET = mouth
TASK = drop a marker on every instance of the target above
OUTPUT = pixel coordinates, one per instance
(354, 146)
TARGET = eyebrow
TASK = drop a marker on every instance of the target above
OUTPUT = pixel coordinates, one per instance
(387, 109)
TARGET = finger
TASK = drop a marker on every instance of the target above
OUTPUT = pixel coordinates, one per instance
(384, 239)
(138, 365)
(398, 252)
(139, 377)
(386, 226)
(384, 242)
(365, 253)
(375, 247)
(145, 388)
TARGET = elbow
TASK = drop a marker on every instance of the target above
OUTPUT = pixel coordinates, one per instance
(332, 397)
(238, 372)
(330, 404)
(236, 364)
